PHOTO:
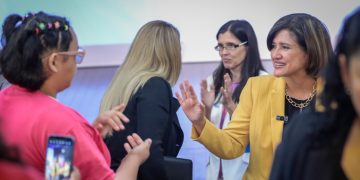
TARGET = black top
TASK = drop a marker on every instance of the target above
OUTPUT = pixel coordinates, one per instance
(312, 147)
(291, 111)
(152, 114)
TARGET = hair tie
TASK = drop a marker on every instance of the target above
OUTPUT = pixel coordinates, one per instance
(41, 26)
(66, 27)
(49, 25)
(18, 24)
(56, 24)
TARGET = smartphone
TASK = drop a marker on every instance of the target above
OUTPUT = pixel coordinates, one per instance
(59, 157)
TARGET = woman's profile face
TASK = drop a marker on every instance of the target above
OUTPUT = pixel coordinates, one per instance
(68, 68)
(287, 55)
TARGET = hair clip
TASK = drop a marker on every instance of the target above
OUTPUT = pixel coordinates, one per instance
(56, 25)
(66, 27)
(49, 25)
(18, 24)
(41, 26)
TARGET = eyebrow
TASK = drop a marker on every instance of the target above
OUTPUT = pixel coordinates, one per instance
(228, 43)
(283, 43)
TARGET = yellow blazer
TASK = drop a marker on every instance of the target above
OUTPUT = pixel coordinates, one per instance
(253, 121)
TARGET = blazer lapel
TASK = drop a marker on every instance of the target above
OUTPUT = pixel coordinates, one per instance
(277, 109)
(174, 108)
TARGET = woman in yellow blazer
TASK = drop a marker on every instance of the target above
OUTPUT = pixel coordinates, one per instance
(300, 46)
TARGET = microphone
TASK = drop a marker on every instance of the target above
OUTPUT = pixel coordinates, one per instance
(282, 118)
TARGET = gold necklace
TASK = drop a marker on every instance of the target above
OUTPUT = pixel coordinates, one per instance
(304, 104)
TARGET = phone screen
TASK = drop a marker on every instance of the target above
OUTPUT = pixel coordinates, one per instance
(59, 157)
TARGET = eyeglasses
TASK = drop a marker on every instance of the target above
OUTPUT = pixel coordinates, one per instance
(228, 47)
(79, 54)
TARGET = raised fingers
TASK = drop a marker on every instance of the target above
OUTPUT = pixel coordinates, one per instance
(120, 108)
(227, 82)
(137, 138)
(127, 147)
(180, 99)
(190, 91)
(131, 141)
(203, 85)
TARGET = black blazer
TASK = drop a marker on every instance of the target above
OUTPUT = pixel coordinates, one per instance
(152, 114)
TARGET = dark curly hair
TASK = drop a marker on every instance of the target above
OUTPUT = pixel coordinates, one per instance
(25, 40)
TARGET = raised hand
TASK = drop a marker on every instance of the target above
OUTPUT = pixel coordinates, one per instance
(111, 120)
(193, 109)
(137, 149)
(227, 94)
(207, 96)
(137, 152)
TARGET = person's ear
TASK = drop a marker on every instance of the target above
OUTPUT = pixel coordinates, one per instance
(52, 63)
(344, 71)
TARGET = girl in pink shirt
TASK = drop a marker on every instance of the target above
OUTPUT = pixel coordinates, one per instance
(39, 57)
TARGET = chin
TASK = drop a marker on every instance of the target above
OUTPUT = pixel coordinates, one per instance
(65, 86)
(278, 74)
(227, 66)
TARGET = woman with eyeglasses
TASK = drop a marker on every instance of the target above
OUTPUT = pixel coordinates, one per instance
(300, 46)
(240, 60)
(39, 57)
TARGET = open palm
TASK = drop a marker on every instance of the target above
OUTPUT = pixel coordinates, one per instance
(193, 109)
(207, 96)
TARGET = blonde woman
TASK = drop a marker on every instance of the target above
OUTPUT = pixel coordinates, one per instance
(143, 83)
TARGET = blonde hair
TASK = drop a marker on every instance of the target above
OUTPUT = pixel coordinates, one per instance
(155, 51)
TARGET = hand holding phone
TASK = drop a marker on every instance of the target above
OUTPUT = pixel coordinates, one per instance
(59, 157)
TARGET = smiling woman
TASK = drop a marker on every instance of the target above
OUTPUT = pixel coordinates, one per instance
(262, 100)
(326, 144)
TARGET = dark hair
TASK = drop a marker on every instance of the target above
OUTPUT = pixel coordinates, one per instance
(311, 34)
(242, 30)
(348, 44)
(25, 40)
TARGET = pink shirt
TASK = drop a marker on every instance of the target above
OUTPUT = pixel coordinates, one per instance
(10, 171)
(28, 118)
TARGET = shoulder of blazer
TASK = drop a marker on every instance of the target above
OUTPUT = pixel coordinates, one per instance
(157, 84)
(266, 82)
(158, 80)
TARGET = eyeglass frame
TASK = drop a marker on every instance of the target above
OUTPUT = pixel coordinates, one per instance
(79, 54)
(229, 47)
